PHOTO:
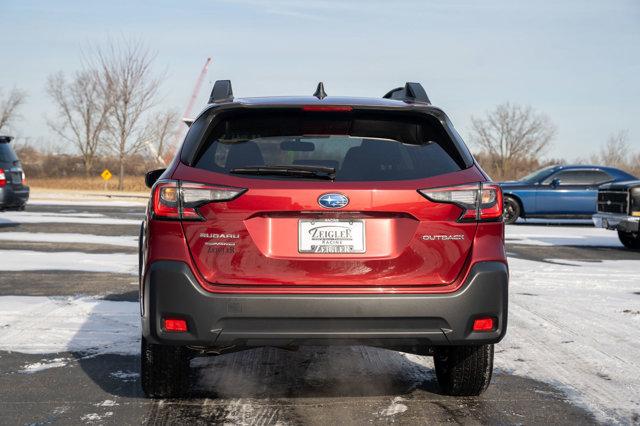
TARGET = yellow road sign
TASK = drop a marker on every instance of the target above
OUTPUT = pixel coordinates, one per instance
(106, 174)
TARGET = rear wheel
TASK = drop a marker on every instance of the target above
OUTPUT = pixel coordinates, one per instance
(464, 370)
(164, 370)
(630, 240)
(511, 210)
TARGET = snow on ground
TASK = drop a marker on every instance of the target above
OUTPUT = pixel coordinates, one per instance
(540, 235)
(90, 218)
(46, 237)
(125, 376)
(95, 417)
(43, 325)
(576, 325)
(396, 407)
(27, 260)
(44, 365)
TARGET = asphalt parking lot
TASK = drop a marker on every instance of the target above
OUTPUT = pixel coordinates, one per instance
(69, 339)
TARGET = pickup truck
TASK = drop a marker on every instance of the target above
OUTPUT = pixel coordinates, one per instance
(619, 209)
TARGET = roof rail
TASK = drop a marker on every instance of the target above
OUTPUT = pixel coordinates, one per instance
(411, 92)
(221, 92)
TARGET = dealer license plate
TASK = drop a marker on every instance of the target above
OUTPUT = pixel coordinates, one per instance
(331, 236)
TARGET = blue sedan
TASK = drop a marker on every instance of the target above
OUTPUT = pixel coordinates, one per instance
(557, 192)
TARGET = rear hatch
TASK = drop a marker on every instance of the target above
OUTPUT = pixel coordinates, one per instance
(325, 198)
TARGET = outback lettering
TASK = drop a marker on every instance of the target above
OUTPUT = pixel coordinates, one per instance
(456, 237)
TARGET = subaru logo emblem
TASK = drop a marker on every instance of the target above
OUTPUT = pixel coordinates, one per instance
(333, 201)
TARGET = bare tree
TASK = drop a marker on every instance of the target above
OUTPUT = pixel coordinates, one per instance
(83, 112)
(9, 106)
(512, 134)
(163, 128)
(616, 152)
(126, 73)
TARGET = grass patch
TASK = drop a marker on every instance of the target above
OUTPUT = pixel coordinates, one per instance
(131, 183)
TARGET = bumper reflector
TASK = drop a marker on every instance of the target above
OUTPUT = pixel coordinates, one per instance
(174, 324)
(483, 324)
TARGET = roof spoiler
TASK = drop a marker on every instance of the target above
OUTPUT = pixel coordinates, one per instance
(6, 139)
(411, 92)
(221, 92)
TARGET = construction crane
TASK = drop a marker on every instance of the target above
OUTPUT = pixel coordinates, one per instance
(196, 89)
(188, 110)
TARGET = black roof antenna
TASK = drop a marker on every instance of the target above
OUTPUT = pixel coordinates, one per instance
(320, 93)
(221, 92)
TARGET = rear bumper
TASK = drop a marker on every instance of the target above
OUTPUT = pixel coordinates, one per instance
(245, 320)
(620, 222)
(12, 197)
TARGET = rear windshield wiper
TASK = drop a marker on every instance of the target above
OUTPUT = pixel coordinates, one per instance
(314, 172)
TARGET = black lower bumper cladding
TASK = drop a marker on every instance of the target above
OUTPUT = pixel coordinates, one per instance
(11, 198)
(245, 320)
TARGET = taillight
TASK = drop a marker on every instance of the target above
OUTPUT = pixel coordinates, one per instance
(173, 200)
(327, 108)
(24, 178)
(3, 178)
(479, 201)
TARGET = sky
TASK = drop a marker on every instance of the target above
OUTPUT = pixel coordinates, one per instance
(578, 62)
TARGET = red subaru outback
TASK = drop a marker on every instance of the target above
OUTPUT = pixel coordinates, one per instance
(321, 220)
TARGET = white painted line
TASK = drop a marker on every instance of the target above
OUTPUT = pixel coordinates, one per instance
(90, 218)
(46, 237)
(27, 260)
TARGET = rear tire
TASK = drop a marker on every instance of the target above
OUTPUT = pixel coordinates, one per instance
(464, 370)
(164, 370)
(511, 210)
(630, 240)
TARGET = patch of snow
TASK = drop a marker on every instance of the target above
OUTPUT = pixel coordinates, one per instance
(568, 327)
(46, 237)
(27, 260)
(396, 407)
(95, 417)
(87, 218)
(61, 410)
(107, 403)
(125, 376)
(44, 365)
(561, 236)
(42, 325)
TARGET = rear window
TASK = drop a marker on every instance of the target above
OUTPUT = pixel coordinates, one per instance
(6, 153)
(360, 147)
